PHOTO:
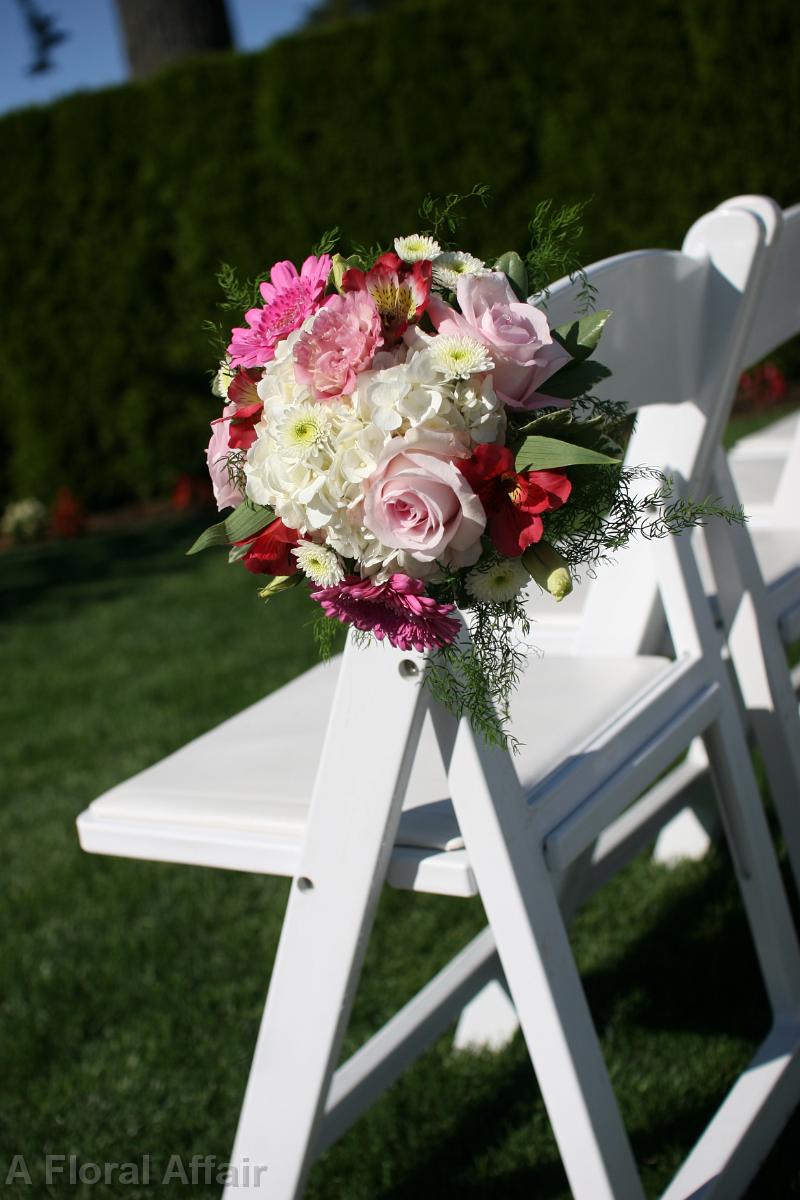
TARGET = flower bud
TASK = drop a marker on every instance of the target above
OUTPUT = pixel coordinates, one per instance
(549, 569)
(222, 380)
(339, 264)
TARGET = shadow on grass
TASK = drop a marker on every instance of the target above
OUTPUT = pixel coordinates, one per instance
(697, 935)
(701, 937)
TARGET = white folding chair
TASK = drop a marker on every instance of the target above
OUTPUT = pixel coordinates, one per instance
(753, 575)
(765, 465)
(402, 793)
(765, 591)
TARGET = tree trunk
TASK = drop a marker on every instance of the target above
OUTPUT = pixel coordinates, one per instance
(159, 32)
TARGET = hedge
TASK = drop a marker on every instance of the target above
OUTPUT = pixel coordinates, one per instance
(118, 206)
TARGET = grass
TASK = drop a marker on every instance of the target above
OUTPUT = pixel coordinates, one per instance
(130, 992)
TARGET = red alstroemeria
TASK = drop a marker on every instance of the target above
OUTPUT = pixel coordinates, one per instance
(243, 393)
(400, 291)
(270, 551)
(513, 501)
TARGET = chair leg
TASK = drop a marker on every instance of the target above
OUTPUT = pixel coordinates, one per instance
(759, 658)
(754, 858)
(351, 829)
(734, 1144)
(521, 904)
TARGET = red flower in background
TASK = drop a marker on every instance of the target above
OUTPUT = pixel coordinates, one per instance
(269, 552)
(513, 501)
(400, 291)
(69, 515)
(761, 388)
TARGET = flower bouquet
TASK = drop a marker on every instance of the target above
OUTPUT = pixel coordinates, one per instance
(405, 433)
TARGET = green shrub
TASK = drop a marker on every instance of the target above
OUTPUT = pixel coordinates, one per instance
(118, 206)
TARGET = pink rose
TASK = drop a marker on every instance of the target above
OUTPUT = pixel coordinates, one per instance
(340, 344)
(517, 335)
(417, 500)
(225, 494)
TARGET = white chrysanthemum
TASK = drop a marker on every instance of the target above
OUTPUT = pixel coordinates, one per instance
(452, 264)
(457, 356)
(417, 247)
(305, 431)
(499, 582)
(321, 564)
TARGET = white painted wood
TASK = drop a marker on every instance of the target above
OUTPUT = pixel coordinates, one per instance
(756, 585)
(366, 760)
(505, 847)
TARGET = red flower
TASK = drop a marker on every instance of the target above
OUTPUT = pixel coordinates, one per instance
(400, 291)
(69, 515)
(513, 500)
(242, 393)
(270, 550)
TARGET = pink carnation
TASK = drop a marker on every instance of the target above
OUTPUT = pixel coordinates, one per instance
(289, 298)
(338, 346)
(398, 610)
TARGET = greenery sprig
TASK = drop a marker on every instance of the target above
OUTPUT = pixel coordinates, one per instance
(442, 212)
(477, 678)
(555, 239)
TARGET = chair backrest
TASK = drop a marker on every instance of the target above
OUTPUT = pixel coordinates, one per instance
(777, 314)
(775, 321)
(675, 346)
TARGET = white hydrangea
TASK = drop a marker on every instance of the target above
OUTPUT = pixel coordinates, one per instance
(498, 582)
(408, 395)
(416, 247)
(452, 264)
(278, 384)
(483, 414)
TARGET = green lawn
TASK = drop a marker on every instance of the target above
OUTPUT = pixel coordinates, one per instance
(130, 992)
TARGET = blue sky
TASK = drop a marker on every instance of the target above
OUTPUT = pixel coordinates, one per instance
(93, 56)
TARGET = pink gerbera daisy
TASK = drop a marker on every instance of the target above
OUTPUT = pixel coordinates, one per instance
(289, 298)
(397, 610)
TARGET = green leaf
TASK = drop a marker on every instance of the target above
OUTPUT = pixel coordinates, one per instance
(515, 271)
(573, 380)
(244, 521)
(547, 454)
(581, 337)
(549, 423)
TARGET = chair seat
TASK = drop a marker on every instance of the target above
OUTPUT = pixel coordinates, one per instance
(238, 796)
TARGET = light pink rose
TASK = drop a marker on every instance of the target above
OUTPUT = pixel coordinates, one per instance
(338, 346)
(225, 494)
(417, 500)
(517, 335)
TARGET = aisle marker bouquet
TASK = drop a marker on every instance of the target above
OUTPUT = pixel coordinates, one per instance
(405, 432)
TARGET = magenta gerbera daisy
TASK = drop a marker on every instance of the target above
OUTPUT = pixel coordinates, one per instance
(397, 610)
(289, 297)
